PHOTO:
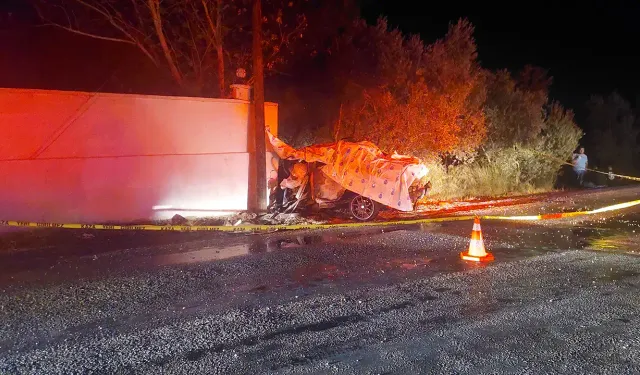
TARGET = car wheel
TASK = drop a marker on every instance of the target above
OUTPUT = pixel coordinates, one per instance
(363, 208)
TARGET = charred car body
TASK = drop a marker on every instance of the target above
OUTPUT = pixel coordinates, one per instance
(353, 175)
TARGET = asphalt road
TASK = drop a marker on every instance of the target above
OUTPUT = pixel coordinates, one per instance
(561, 297)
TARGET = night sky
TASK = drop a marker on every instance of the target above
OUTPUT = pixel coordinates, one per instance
(589, 47)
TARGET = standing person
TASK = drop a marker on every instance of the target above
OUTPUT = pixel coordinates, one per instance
(580, 163)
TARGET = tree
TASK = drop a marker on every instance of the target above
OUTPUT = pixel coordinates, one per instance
(458, 82)
(406, 96)
(515, 109)
(556, 142)
(307, 91)
(561, 134)
(258, 102)
(528, 138)
(533, 79)
(196, 41)
(614, 133)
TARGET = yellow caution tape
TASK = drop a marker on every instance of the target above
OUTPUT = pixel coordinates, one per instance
(263, 228)
(588, 169)
(225, 228)
(562, 215)
(609, 173)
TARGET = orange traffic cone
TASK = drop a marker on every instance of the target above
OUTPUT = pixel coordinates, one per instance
(476, 252)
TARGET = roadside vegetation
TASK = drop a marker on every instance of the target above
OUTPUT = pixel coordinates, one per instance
(482, 133)
(337, 76)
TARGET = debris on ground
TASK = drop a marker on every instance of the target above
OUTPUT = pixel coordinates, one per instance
(245, 218)
(178, 220)
(424, 208)
(291, 219)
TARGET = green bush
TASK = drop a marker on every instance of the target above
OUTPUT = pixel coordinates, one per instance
(518, 169)
(496, 173)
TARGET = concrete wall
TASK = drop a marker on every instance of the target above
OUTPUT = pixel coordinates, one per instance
(83, 157)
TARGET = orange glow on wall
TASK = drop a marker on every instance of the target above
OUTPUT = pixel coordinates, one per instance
(73, 156)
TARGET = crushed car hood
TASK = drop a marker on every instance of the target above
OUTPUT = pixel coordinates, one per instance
(362, 168)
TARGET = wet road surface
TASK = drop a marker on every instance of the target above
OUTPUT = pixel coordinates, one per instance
(561, 297)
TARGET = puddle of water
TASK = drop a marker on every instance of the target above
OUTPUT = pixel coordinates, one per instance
(206, 254)
(317, 273)
(508, 242)
(616, 242)
(614, 234)
(405, 263)
(605, 240)
(346, 236)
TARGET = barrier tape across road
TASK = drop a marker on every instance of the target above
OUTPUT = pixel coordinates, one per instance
(264, 228)
(609, 174)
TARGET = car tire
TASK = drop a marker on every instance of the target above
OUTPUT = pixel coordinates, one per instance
(363, 208)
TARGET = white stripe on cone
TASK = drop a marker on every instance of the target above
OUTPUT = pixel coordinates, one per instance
(476, 248)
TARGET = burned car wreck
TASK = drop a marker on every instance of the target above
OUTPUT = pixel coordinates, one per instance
(356, 176)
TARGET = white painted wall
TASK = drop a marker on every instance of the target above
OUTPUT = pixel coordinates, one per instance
(82, 157)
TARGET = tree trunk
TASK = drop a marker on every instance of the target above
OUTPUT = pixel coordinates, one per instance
(220, 49)
(154, 8)
(336, 131)
(258, 100)
(223, 88)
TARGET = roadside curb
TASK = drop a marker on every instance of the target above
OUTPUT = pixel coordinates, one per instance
(265, 228)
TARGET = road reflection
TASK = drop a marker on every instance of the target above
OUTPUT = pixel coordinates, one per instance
(207, 254)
